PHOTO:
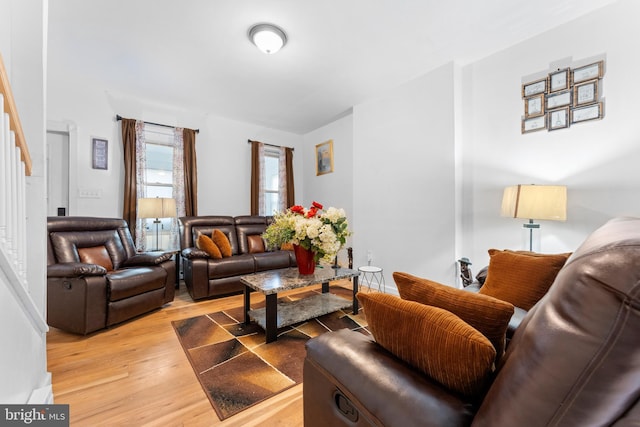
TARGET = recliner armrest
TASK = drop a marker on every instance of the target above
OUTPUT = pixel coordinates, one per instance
(377, 387)
(147, 259)
(191, 253)
(75, 269)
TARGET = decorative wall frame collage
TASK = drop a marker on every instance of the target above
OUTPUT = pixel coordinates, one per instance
(565, 97)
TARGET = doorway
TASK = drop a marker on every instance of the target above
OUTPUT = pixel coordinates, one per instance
(57, 173)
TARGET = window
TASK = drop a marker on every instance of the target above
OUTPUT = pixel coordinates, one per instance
(158, 181)
(271, 182)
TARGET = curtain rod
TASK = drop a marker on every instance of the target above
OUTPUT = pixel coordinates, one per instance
(119, 117)
(270, 145)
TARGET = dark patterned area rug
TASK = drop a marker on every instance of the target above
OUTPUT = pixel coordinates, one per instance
(234, 365)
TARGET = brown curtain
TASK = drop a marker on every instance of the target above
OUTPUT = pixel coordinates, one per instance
(291, 194)
(130, 187)
(255, 177)
(190, 173)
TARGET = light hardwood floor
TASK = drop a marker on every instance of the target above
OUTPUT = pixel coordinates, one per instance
(136, 374)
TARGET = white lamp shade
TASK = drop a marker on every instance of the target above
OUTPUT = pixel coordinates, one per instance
(157, 207)
(535, 202)
(268, 38)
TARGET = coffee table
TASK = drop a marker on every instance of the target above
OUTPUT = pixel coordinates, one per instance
(279, 314)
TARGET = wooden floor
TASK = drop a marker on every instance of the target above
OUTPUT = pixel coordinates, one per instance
(137, 374)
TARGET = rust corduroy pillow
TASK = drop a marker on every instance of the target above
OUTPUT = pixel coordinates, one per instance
(489, 315)
(222, 241)
(433, 340)
(205, 243)
(521, 278)
(97, 255)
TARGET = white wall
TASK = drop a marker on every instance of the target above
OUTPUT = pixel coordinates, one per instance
(223, 154)
(598, 160)
(23, 365)
(404, 179)
(331, 189)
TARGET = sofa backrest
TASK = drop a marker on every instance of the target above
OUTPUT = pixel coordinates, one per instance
(237, 229)
(68, 237)
(575, 359)
(247, 227)
(192, 226)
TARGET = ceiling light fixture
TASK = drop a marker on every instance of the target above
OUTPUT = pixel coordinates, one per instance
(267, 37)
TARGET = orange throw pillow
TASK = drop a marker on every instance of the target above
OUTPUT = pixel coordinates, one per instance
(97, 255)
(489, 315)
(205, 243)
(433, 340)
(521, 278)
(222, 241)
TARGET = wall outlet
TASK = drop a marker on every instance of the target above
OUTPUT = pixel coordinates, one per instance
(89, 193)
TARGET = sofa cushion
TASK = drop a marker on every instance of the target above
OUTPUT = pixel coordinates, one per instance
(205, 243)
(231, 266)
(434, 341)
(222, 241)
(521, 278)
(97, 255)
(255, 243)
(490, 316)
(131, 282)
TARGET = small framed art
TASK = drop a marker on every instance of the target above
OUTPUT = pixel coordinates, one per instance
(324, 157)
(534, 124)
(559, 80)
(534, 106)
(534, 88)
(585, 93)
(559, 119)
(588, 72)
(100, 153)
(559, 99)
(583, 114)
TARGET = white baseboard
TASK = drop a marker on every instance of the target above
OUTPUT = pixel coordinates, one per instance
(42, 395)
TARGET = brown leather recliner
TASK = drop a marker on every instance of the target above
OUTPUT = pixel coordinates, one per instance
(573, 361)
(96, 279)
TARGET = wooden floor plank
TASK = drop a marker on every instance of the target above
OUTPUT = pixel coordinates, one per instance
(137, 374)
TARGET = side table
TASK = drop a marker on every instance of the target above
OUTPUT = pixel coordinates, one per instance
(373, 276)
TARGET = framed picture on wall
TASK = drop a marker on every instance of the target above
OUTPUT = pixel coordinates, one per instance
(588, 72)
(534, 124)
(585, 93)
(583, 114)
(100, 153)
(534, 106)
(324, 157)
(559, 99)
(559, 119)
(559, 80)
(534, 88)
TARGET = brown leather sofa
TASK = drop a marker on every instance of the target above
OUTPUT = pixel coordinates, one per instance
(573, 361)
(95, 278)
(208, 277)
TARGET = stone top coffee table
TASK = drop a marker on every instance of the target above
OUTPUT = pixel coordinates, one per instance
(277, 315)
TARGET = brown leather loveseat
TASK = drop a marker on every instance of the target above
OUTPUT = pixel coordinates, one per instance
(573, 361)
(96, 279)
(207, 277)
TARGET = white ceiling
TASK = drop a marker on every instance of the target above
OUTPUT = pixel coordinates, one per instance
(195, 54)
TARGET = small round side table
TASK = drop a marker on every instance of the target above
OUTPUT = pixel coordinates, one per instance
(373, 276)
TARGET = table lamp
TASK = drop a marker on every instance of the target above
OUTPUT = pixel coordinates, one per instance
(535, 202)
(157, 208)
